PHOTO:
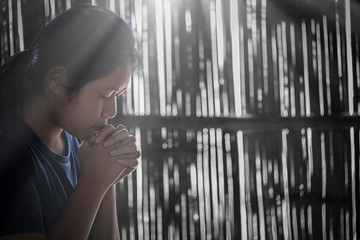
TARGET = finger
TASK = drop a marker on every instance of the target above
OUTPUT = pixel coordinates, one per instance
(104, 133)
(93, 136)
(119, 127)
(98, 136)
(116, 137)
(130, 140)
(126, 149)
(128, 163)
(134, 155)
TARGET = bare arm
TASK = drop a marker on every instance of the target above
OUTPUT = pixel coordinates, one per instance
(80, 212)
(78, 217)
(106, 223)
(99, 171)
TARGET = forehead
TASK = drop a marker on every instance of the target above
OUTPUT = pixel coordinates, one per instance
(117, 79)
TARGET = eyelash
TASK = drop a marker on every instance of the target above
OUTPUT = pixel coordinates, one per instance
(104, 97)
(117, 96)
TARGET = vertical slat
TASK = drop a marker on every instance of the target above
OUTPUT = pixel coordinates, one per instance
(231, 58)
(20, 28)
(11, 27)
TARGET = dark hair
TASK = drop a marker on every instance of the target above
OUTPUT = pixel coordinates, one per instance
(88, 41)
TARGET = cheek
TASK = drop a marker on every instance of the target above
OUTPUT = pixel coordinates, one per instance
(80, 121)
(89, 111)
(83, 113)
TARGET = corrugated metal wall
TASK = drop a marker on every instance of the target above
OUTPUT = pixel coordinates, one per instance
(246, 112)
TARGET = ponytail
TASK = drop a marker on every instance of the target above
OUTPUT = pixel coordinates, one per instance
(13, 81)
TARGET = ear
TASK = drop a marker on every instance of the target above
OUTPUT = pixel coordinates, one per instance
(56, 81)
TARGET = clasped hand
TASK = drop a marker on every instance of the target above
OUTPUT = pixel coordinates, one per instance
(108, 155)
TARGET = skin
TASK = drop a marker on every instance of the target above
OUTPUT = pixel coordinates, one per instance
(107, 154)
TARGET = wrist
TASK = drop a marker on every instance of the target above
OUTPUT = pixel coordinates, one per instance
(90, 183)
(111, 192)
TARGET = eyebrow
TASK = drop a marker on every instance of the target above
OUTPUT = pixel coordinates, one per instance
(115, 89)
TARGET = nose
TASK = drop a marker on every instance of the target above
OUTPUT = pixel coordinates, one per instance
(110, 108)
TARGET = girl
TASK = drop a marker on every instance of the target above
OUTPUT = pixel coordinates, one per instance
(59, 157)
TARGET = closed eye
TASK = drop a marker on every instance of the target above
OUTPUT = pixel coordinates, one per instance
(104, 97)
(119, 94)
(107, 96)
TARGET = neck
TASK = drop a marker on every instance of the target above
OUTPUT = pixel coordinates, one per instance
(37, 115)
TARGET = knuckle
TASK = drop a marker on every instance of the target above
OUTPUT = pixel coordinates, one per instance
(126, 132)
(128, 149)
(120, 127)
(106, 130)
(133, 147)
(132, 138)
(135, 162)
(122, 134)
(119, 136)
(109, 127)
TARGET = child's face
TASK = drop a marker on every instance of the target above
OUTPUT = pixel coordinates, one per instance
(95, 103)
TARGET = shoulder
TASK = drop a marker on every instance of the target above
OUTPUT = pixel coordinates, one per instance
(11, 149)
(15, 155)
(14, 129)
(15, 158)
(13, 136)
